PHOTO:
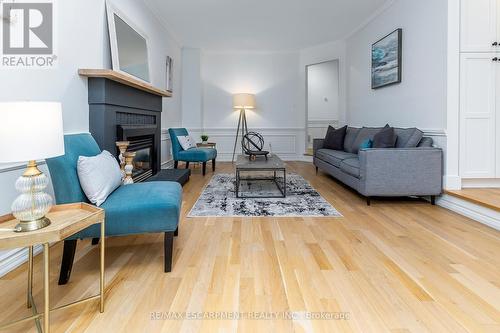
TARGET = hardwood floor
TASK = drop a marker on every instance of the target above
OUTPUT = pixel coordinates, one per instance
(486, 197)
(397, 266)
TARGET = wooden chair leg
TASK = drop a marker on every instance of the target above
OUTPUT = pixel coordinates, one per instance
(169, 249)
(95, 241)
(176, 232)
(204, 168)
(187, 165)
(176, 164)
(67, 261)
(213, 165)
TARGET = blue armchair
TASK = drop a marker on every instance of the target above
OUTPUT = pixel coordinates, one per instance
(132, 209)
(198, 155)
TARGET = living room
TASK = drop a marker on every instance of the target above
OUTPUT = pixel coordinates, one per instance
(270, 166)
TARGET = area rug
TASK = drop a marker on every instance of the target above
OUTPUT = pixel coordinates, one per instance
(219, 199)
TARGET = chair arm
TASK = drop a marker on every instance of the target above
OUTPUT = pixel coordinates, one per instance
(317, 145)
(401, 171)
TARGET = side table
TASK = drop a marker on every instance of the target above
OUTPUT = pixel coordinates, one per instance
(206, 145)
(66, 220)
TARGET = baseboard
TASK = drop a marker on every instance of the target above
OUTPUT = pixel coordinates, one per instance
(16, 258)
(478, 213)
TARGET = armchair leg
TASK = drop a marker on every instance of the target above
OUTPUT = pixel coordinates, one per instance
(67, 261)
(187, 165)
(176, 164)
(95, 241)
(169, 247)
(213, 165)
(176, 232)
(204, 168)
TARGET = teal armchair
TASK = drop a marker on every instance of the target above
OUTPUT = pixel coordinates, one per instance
(140, 208)
(195, 155)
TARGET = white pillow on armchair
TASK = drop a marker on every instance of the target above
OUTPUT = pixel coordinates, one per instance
(186, 141)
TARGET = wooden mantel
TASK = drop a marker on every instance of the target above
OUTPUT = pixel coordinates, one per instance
(124, 79)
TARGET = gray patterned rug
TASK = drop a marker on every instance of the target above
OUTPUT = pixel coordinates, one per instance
(219, 199)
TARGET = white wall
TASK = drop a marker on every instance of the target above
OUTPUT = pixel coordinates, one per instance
(271, 76)
(420, 100)
(83, 43)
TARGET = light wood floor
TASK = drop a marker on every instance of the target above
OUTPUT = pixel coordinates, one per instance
(397, 266)
(486, 197)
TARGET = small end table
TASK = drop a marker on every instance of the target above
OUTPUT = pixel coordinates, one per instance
(206, 145)
(66, 220)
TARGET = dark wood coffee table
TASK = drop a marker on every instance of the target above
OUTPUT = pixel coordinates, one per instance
(261, 164)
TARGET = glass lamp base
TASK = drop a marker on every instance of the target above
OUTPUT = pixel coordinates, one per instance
(32, 225)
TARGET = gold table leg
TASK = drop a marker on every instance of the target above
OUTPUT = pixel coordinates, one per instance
(101, 284)
(30, 276)
(46, 313)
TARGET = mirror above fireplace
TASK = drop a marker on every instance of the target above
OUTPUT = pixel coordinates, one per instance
(129, 45)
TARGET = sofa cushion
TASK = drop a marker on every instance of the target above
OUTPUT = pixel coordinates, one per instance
(408, 137)
(426, 142)
(351, 166)
(350, 136)
(335, 138)
(386, 138)
(366, 133)
(333, 157)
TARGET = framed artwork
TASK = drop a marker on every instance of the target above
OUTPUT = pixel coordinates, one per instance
(387, 60)
(170, 77)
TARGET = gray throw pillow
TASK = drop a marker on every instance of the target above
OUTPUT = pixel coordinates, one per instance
(335, 138)
(386, 138)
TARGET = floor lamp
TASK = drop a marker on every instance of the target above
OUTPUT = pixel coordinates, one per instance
(242, 102)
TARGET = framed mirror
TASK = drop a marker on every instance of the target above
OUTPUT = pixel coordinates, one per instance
(129, 45)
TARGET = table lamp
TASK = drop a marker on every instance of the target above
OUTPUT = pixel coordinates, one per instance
(31, 131)
(242, 102)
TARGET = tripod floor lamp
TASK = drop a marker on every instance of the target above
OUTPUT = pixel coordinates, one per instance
(242, 102)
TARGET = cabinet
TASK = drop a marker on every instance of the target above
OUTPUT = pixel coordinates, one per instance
(480, 26)
(478, 104)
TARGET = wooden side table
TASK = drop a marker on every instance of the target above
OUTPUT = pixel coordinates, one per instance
(66, 220)
(206, 145)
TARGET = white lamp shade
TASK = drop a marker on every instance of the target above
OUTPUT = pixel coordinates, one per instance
(243, 101)
(30, 131)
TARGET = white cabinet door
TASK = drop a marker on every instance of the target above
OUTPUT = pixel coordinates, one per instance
(479, 28)
(477, 113)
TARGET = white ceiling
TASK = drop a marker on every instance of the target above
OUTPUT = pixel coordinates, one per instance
(262, 24)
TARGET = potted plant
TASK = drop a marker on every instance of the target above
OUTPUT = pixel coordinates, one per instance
(204, 139)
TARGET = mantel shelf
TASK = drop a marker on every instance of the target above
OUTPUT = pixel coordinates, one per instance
(124, 79)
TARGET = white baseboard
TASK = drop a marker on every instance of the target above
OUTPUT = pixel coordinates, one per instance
(15, 258)
(478, 213)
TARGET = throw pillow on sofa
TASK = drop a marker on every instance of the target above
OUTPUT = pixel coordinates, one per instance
(335, 138)
(99, 176)
(386, 138)
(367, 144)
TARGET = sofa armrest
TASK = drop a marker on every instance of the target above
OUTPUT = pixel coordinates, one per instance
(401, 171)
(317, 145)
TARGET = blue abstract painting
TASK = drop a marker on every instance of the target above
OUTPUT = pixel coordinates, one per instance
(386, 60)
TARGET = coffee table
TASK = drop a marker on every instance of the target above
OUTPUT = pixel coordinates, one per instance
(273, 164)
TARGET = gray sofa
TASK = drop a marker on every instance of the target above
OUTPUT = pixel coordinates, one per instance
(413, 168)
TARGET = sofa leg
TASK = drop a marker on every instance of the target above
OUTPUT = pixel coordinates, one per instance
(433, 200)
(213, 165)
(187, 165)
(317, 169)
(204, 168)
(95, 241)
(176, 232)
(67, 261)
(169, 247)
(368, 201)
(176, 164)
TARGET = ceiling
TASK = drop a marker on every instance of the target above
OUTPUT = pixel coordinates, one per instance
(270, 25)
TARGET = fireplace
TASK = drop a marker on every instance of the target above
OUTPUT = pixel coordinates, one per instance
(118, 112)
(142, 142)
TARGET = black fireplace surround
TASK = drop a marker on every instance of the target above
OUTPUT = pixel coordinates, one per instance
(118, 112)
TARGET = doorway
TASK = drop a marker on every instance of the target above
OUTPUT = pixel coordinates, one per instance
(322, 100)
